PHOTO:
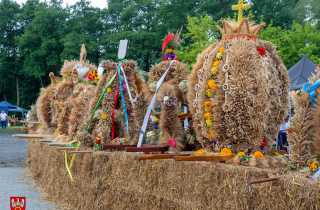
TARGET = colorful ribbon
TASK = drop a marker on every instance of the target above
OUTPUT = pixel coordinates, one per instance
(124, 105)
(105, 90)
(115, 104)
(312, 90)
(146, 117)
(127, 84)
(73, 156)
(165, 42)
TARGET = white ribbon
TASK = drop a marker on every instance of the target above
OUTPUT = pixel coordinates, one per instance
(128, 89)
(146, 117)
(186, 124)
(316, 175)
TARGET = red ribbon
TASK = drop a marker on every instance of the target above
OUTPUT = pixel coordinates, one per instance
(112, 116)
(166, 41)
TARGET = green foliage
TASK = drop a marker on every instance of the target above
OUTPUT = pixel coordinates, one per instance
(245, 158)
(294, 43)
(202, 32)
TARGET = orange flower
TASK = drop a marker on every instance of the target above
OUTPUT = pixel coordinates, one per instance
(104, 116)
(313, 165)
(211, 133)
(109, 90)
(207, 116)
(225, 152)
(188, 113)
(208, 105)
(258, 154)
(241, 154)
(212, 85)
(222, 49)
(216, 63)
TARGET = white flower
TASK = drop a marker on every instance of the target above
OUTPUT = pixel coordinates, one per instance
(165, 99)
(150, 134)
(153, 87)
(184, 85)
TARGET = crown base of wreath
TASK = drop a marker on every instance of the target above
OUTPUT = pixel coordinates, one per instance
(231, 29)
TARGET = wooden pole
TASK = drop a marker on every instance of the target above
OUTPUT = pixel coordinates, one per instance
(87, 151)
(203, 158)
(263, 180)
(30, 122)
(25, 128)
(45, 140)
(57, 144)
(159, 157)
(31, 135)
(65, 148)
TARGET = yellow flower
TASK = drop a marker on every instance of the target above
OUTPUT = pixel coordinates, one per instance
(208, 105)
(225, 152)
(216, 63)
(209, 123)
(218, 56)
(196, 153)
(214, 70)
(104, 116)
(39, 126)
(258, 154)
(209, 93)
(276, 153)
(241, 154)
(181, 114)
(168, 51)
(156, 119)
(212, 85)
(109, 90)
(211, 133)
(222, 49)
(313, 165)
(207, 116)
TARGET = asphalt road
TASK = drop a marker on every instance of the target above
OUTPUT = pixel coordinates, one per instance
(14, 181)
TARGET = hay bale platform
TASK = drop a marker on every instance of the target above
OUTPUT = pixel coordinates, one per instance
(118, 180)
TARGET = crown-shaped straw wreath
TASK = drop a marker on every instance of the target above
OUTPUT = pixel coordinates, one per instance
(245, 28)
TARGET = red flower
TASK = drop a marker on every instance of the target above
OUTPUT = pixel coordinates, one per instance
(288, 129)
(261, 51)
(98, 140)
(319, 65)
(264, 142)
(249, 37)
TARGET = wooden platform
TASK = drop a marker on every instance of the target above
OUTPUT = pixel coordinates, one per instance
(161, 157)
(25, 128)
(203, 158)
(30, 122)
(25, 136)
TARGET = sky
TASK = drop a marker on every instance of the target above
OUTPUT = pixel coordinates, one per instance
(96, 3)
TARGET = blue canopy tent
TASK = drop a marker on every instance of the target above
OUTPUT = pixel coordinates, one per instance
(18, 109)
(5, 106)
(300, 73)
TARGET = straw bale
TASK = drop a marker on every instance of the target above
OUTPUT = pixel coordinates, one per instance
(117, 180)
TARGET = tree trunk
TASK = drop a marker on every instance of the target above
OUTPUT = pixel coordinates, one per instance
(4, 92)
(18, 95)
(41, 81)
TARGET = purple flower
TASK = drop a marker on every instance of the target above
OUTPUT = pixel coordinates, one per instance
(170, 55)
(214, 144)
(124, 86)
(131, 114)
(263, 150)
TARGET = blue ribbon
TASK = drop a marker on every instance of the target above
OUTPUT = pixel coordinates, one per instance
(311, 90)
(124, 105)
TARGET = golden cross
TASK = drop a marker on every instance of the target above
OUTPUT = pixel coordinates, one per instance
(240, 7)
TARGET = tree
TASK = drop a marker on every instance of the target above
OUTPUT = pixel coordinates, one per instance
(9, 59)
(41, 44)
(86, 27)
(294, 43)
(202, 32)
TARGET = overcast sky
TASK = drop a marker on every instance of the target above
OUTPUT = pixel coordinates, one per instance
(96, 3)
